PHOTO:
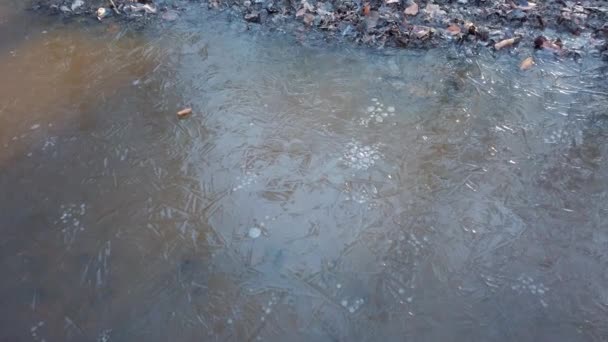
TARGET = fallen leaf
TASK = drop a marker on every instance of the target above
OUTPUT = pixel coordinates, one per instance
(366, 9)
(308, 18)
(453, 29)
(411, 9)
(526, 63)
(505, 43)
(552, 46)
(300, 12)
(186, 111)
(422, 32)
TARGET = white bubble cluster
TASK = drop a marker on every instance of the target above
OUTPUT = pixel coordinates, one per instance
(49, 143)
(246, 180)
(377, 113)
(104, 336)
(563, 136)
(34, 331)
(70, 220)
(355, 306)
(267, 310)
(527, 284)
(360, 157)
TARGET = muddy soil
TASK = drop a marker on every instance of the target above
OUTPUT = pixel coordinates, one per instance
(564, 28)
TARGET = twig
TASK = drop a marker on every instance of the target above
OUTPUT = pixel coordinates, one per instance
(114, 7)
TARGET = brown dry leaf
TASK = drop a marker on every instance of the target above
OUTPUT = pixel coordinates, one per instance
(422, 32)
(551, 46)
(300, 12)
(453, 29)
(526, 63)
(505, 43)
(366, 9)
(308, 18)
(411, 9)
(186, 111)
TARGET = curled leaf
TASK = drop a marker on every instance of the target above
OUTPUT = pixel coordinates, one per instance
(422, 32)
(453, 29)
(526, 63)
(366, 9)
(505, 43)
(308, 19)
(184, 112)
(411, 9)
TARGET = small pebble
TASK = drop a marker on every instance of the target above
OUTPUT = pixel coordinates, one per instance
(254, 232)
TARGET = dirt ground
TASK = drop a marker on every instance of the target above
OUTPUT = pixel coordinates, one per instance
(564, 28)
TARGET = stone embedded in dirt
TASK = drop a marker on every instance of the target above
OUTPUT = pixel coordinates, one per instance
(411, 9)
(170, 15)
(253, 17)
(516, 14)
(434, 11)
(102, 13)
(272, 8)
(77, 4)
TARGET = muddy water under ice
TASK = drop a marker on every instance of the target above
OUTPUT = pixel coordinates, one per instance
(314, 194)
